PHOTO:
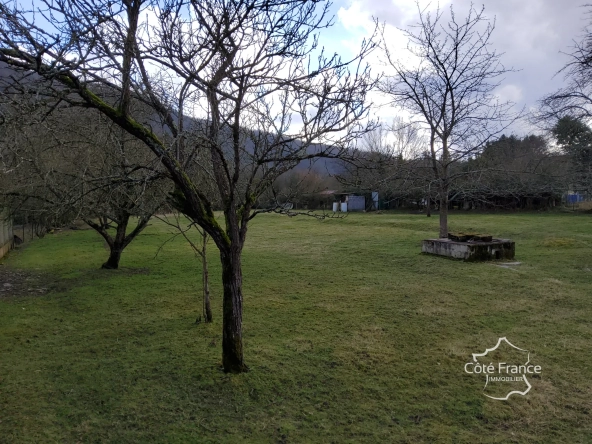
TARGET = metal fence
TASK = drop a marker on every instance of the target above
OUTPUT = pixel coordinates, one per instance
(6, 235)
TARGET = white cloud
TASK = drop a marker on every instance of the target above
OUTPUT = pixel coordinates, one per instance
(512, 93)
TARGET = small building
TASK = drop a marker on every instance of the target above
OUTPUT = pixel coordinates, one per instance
(574, 197)
(346, 201)
(341, 200)
(355, 202)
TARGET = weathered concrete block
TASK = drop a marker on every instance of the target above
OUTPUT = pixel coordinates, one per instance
(471, 250)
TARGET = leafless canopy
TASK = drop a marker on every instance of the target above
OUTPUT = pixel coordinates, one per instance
(449, 87)
(575, 98)
(250, 71)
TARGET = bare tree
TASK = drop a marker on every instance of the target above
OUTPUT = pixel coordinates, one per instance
(185, 228)
(252, 70)
(449, 88)
(392, 161)
(68, 164)
(566, 113)
(575, 98)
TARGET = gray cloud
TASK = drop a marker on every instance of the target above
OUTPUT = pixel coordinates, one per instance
(532, 34)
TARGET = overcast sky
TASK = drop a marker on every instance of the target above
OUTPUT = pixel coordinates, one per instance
(531, 34)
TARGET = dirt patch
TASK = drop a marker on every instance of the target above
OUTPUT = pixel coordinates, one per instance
(14, 283)
(18, 283)
(558, 242)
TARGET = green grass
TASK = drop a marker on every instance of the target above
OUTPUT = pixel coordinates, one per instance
(351, 335)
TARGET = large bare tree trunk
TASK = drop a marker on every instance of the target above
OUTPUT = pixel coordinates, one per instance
(114, 258)
(444, 185)
(232, 316)
(117, 244)
(206, 280)
(443, 211)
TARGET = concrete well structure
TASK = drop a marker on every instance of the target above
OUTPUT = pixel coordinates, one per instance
(496, 249)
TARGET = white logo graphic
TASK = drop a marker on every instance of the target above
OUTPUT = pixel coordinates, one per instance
(503, 376)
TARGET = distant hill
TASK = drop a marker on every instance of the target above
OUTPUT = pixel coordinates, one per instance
(321, 166)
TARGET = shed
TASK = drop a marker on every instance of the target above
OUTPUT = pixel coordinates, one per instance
(355, 203)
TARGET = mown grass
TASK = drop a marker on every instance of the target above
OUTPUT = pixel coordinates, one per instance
(351, 335)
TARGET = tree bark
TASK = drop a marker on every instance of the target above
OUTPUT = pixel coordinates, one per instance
(114, 258)
(232, 337)
(117, 244)
(444, 184)
(206, 280)
(443, 211)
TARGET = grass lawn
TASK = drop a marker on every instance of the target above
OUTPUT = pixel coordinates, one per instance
(351, 335)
